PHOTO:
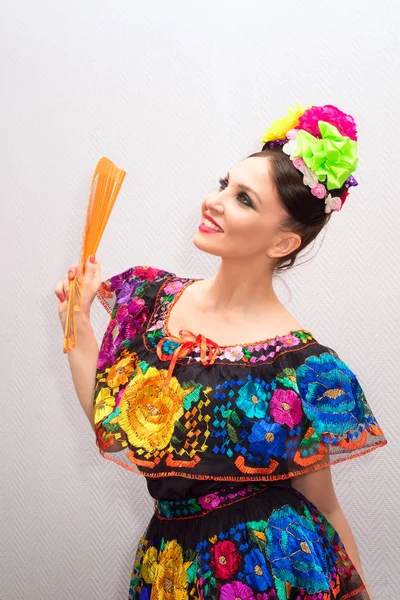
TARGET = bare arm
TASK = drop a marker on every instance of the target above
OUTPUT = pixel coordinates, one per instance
(83, 358)
(83, 361)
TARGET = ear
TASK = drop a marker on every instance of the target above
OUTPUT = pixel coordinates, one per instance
(288, 242)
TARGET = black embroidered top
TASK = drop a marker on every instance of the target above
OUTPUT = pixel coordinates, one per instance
(170, 407)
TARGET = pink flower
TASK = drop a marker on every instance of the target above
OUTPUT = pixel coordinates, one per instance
(330, 114)
(146, 273)
(292, 134)
(174, 287)
(289, 340)
(299, 163)
(234, 590)
(286, 408)
(319, 190)
(210, 501)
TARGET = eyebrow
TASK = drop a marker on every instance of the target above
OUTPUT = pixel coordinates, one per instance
(246, 188)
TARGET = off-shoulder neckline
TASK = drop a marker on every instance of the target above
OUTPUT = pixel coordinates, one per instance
(189, 281)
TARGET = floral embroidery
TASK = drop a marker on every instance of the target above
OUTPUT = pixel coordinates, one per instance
(148, 411)
(166, 572)
(268, 422)
(258, 573)
(267, 438)
(236, 590)
(225, 560)
(285, 407)
(332, 395)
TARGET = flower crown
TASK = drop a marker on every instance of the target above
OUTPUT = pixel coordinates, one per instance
(321, 141)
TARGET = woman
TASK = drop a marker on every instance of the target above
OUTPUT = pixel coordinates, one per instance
(235, 437)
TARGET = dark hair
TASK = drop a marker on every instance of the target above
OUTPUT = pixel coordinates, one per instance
(306, 212)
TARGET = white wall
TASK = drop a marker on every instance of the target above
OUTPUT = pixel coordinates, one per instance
(176, 93)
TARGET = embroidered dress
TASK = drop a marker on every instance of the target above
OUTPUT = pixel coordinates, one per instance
(218, 432)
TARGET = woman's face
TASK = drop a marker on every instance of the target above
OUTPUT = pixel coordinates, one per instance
(249, 218)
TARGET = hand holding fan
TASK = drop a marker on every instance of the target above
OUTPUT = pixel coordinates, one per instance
(106, 183)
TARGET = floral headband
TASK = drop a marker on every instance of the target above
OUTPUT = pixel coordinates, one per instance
(321, 141)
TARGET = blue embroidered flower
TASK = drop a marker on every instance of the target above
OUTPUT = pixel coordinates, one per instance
(169, 346)
(295, 550)
(252, 399)
(257, 571)
(332, 396)
(267, 438)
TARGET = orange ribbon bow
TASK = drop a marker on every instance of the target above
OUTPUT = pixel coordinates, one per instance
(209, 350)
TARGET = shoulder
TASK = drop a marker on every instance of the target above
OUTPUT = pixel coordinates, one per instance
(120, 288)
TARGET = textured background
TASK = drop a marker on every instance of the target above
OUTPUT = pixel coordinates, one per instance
(176, 93)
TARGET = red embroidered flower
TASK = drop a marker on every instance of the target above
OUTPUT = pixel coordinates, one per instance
(146, 273)
(225, 559)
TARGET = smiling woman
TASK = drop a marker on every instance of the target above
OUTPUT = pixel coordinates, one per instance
(230, 408)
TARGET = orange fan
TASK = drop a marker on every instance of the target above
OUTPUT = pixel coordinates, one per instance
(106, 183)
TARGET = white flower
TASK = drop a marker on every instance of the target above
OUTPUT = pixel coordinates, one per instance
(233, 353)
(332, 203)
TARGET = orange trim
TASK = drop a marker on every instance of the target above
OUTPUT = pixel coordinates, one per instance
(170, 462)
(354, 592)
(244, 478)
(142, 463)
(239, 462)
(357, 444)
(309, 460)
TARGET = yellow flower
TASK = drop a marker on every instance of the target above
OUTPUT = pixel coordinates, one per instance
(167, 574)
(280, 127)
(148, 412)
(120, 373)
(104, 404)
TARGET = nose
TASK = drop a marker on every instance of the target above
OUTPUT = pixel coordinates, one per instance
(214, 202)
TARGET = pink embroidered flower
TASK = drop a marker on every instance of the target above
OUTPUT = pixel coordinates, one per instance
(285, 407)
(330, 114)
(234, 353)
(299, 163)
(174, 287)
(146, 273)
(210, 501)
(235, 590)
(319, 191)
(289, 340)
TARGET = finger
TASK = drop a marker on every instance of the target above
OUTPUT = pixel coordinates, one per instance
(72, 271)
(59, 291)
(66, 285)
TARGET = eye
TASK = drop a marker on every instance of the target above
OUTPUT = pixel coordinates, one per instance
(242, 197)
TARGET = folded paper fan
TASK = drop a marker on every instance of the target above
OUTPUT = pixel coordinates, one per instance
(106, 183)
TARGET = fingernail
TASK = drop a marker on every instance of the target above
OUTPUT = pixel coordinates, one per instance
(70, 272)
(92, 258)
(61, 297)
(67, 295)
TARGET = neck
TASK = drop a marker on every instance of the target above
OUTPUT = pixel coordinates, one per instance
(238, 289)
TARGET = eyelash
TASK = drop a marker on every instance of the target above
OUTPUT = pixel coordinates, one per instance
(224, 182)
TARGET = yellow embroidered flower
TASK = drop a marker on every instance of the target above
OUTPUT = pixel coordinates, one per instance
(104, 404)
(167, 574)
(148, 412)
(120, 373)
(280, 127)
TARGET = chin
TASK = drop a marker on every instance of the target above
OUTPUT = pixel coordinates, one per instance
(206, 245)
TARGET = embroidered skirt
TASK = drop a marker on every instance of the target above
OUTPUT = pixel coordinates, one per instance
(255, 542)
